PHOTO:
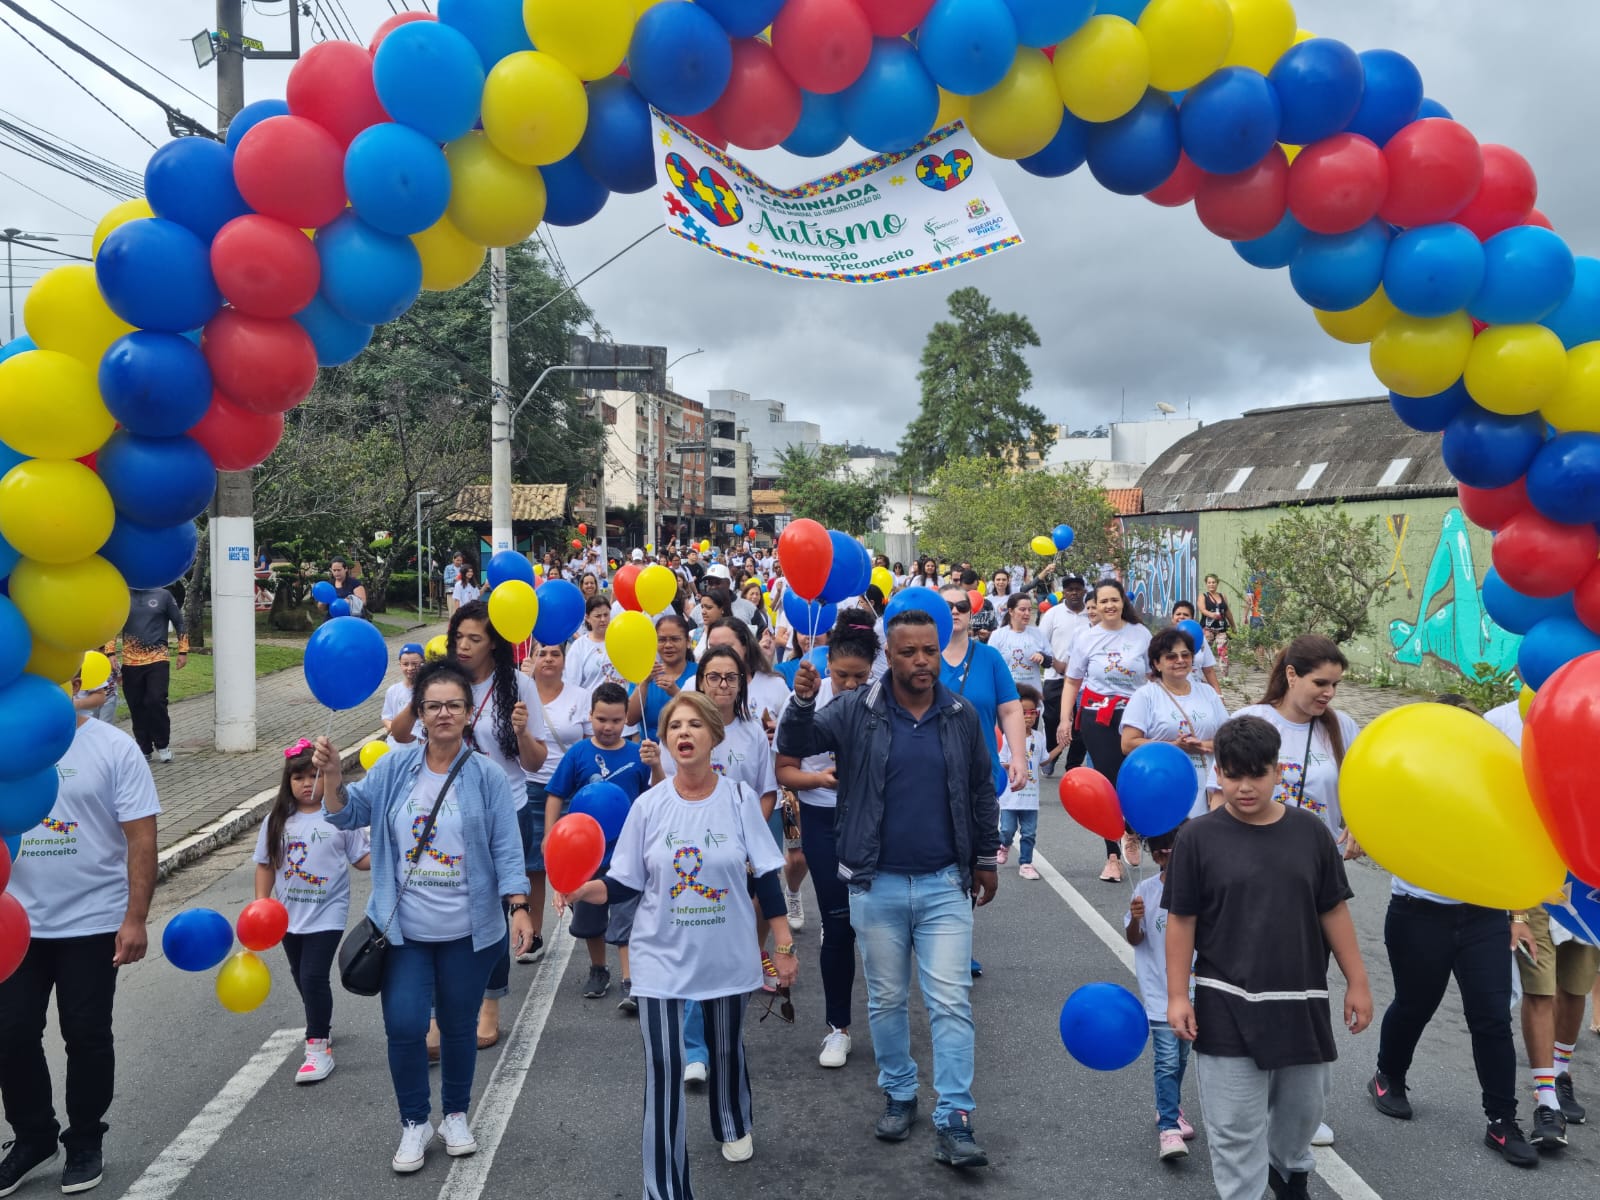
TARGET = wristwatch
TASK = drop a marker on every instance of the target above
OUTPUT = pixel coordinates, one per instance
(519, 906)
(1519, 918)
(786, 948)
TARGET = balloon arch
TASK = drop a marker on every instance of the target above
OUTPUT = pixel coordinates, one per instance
(388, 169)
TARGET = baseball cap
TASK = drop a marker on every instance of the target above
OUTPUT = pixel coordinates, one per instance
(717, 571)
(638, 555)
(1077, 579)
(411, 648)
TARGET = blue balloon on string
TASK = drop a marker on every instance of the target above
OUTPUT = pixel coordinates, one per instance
(157, 481)
(560, 612)
(1528, 272)
(397, 179)
(1230, 121)
(821, 128)
(572, 195)
(844, 576)
(1431, 414)
(494, 27)
(197, 939)
(1062, 536)
(368, 276)
(1156, 788)
(968, 46)
(680, 57)
(808, 616)
(1064, 153)
(507, 565)
(324, 592)
(617, 144)
(1336, 272)
(155, 384)
(346, 660)
(148, 556)
(337, 339)
(429, 77)
(1139, 151)
(1516, 613)
(1552, 644)
(1104, 1026)
(1486, 450)
(1191, 630)
(1319, 85)
(893, 103)
(1391, 96)
(1577, 319)
(156, 274)
(41, 722)
(1433, 270)
(190, 179)
(606, 803)
(927, 600)
(1274, 250)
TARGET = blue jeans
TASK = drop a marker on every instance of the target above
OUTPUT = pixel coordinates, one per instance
(447, 978)
(932, 916)
(1172, 1057)
(1025, 819)
(694, 1034)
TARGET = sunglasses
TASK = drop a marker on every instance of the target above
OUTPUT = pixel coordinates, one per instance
(778, 1004)
(960, 606)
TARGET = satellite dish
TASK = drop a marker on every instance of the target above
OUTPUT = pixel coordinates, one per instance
(1163, 407)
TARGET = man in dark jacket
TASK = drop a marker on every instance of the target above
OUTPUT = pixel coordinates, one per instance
(917, 828)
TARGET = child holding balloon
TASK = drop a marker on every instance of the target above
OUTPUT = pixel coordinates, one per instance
(305, 863)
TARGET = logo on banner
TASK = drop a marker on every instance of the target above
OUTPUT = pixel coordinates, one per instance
(706, 190)
(944, 173)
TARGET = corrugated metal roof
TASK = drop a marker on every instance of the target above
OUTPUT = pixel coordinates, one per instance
(1300, 453)
(529, 502)
(1127, 501)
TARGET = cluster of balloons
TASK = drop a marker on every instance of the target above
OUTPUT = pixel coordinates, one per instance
(823, 564)
(1153, 793)
(199, 939)
(1053, 543)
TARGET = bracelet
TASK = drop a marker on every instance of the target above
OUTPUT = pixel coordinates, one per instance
(1520, 918)
(786, 948)
(519, 906)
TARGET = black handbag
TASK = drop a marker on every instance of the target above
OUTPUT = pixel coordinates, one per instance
(365, 947)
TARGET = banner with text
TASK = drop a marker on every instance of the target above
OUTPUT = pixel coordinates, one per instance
(893, 216)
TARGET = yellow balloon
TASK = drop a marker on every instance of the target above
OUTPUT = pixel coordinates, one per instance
(1019, 115)
(655, 588)
(1187, 38)
(1516, 369)
(1576, 407)
(73, 606)
(49, 662)
(631, 646)
(64, 311)
(983, 587)
(56, 511)
(1102, 71)
(129, 210)
(589, 36)
(1291, 152)
(1359, 325)
(951, 108)
(1437, 796)
(883, 580)
(438, 647)
(243, 982)
(513, 608)
(534, 108)
(1043, 545)
(95, 671)
(50, 406)
(448, 258)
(1422, 356)
(493, 201)
(1525, 701)
(1303, 35)
(705, 545)
(372, 752)
(1262, 31)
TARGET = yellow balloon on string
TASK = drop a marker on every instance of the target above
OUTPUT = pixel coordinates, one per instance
(631, 646)
(371, 753)
(243, 983)
(95, 672)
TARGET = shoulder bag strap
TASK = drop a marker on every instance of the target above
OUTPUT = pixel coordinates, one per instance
(427, 832)
(1305, 766)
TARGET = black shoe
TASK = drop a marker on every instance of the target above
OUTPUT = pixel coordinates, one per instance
(628, 1004)
(598, 983)
(1549, 1128)
(533, 953)
(1575, 1113)
(1505, 1137)
(1389, 1097)
(898, 1116)
(23, 1161)
(1292, 1188)
(85, 1169)
(955, 1145)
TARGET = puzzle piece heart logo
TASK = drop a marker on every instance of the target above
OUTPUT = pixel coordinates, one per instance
(944, 172)
(706, 190)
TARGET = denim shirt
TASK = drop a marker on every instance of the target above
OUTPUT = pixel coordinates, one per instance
(495, 866)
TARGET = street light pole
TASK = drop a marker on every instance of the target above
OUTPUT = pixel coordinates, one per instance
(9, 237)
(421, 569)
(653, 404)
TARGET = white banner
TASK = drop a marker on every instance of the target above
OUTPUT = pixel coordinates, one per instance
(896, 215)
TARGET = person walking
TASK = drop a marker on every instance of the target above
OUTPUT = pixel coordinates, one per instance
(977, 673)
(145, 667)
(1174, 708)
(1216, 618)
(1022, 645)
(1059, 626)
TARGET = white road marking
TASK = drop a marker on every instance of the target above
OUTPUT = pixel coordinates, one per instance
(1339, 1175)
(172, 1166)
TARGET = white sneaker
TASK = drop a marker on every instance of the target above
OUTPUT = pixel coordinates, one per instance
(741, 1151)
(1323, 1136)
(164, 754)
(414, 1139)
(797, 911)
(458, 1139)
(835, 1048)
(694, 1072)
(319, 1061)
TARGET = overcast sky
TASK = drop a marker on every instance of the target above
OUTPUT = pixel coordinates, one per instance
(1129, 299)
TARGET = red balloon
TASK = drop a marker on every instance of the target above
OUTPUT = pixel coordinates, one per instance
(332, 85)
(237, 439)
(823, 45)
(1338, 184)
(1506, 196)
(706, 127)
(1491, 508)
(1247, 205)
(894, 18)
(267, 365)
(1586, 599)
(576, 544)
(292, 169)
(622, 587)
(1091, 801)
(806, 553)
(262, 924)
(761, 105)
(583, 528)
(1556, 740)
(1541, 557)
(264, 267)
(573, 850)
(393, 23)
(1538, 218)
(14, 934)
(1180, 186)
(1435, 168)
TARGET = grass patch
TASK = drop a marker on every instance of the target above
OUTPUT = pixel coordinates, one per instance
(197, 678)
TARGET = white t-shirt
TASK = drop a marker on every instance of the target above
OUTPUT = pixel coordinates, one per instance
(1205, 658)
(1026, 797)
(1313, 785)
(71, 872)
(314, 881)
(1018, 650)
(1163, 717)
(435, 906)
(484, 741)
(588, 665)
(395, 701)
(1150, 955)
(566, 721)
(1110, 662)
(1060, 625)
(820, 797)
(463, 592)
(744, 756)
(694, 933)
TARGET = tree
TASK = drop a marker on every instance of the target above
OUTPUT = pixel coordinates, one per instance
(815, 484)
(973, 378)
(1320, 572)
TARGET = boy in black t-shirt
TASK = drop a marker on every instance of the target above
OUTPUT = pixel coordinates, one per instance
(1257, 894)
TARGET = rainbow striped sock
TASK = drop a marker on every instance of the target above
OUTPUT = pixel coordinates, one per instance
(1544, 1087)
(1564, 1057)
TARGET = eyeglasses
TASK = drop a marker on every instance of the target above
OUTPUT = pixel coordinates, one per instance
(432, 708)
(960, 606)
(779, 1004)
(1178, 656)
(718, 679)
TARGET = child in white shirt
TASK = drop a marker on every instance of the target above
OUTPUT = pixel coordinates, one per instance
(1019, 809)
(1145, 924)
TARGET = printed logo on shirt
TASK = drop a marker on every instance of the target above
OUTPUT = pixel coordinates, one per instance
(421, 848)
(1290, 779)
(55, 826)
(1114, 665)
(295, 867)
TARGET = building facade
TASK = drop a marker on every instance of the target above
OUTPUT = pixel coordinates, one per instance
(768, 430)
(643, 460)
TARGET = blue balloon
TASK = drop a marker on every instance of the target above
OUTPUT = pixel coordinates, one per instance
(1433, 270)
(1062, 536)
(1319, 84)
(968, 46)
(1528, 272)
(13, 842)
(680, 58)
(1156, 788)
(1577, 320)
(1516, 613)
(928, 600)
(1564, 479)
(808, 617)
(572, 195)
(151, 557)
(9, 558)
(1230, 121)
(893, 104)
(156, 274)
(40, 721)
(560, 612)
(1391, 98)
(157, 481)
(368, 276)
(606, 803)
(741, 18)
(337, 339)
(339, 608)
(1064, 153)
(1043, 23)
(1431, 414)
(845, 577)
(738, 531)
(1103, 1025)
(821, 129)
(1191, 630)
(27, 800)
(1580, 914)
(19, 345)
(346, 660)
(1276, 249)
(197, 939)
(1336, 272)
(190, 179)
(1551, 645)
(1485, 450)
(617, 147)
(1432, 108)
(155, 384)
(1138, 151)
(429, 77)
(397, 178)
(324, 592)
(494, 27)
(16, 642)
(508, 564)
(248, 117)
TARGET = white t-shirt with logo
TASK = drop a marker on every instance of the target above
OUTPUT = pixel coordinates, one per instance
(313, 882)
(1311, 784)
(1018, 650)
(587, 664)
(1110, 662)
(71, 872)
(484, 707)
(1163, 717)
(566, 722)
(1150, 955)
(743, 756)
(435, 905)
(1026, 797)
(1059, 626)
(819, 797)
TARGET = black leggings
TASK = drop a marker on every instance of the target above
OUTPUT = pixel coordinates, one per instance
(311, 958)
(837, 954)
(1104, 744)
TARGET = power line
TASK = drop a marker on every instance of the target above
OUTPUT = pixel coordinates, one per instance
(132, 55)
(75, 82)
(22, 241)
(43, 196)
(47, 148)
(574, 287)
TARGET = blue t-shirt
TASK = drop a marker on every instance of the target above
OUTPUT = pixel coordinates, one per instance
(918, 834)
(988, 685)
(790, 667)
(655, 700)
(585, 763)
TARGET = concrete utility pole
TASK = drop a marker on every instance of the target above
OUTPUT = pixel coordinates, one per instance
(500, 531)
(652, 410)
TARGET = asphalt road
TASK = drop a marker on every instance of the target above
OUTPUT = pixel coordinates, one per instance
(205, 1104)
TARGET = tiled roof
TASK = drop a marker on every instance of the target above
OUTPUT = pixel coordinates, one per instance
(1127, 501)
(529, 502)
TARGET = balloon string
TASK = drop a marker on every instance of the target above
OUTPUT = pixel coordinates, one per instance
(316, 780)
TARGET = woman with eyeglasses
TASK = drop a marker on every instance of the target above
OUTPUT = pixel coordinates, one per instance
(1174, 708)
(977, 672)
(768, 690)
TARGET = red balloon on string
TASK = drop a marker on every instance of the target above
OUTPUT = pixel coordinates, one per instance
(806, 553)
(1541, 557)
(262, 924)
(823, 45)
(14, 934)
(1247, 205)
(1557, 756)
(1180, 186)
(1338, 184)
(1506, 195)
(576, 544)
(1586, 599)
(390, 24)
(705, 126)
(261, 364)
(237, 439)
(332, 85)
(1538, 218)
(573, 850)
(1435, 168)
(761, 105)
(583, 528)
(292, 169)
(1091, 801)
(1491, 508)
(894, 18)
(264, 267)
(622, 587)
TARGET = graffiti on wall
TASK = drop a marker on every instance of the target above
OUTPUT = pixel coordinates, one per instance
(1451, 625)
(1163, 562)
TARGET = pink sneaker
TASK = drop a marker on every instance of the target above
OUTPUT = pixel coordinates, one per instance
(1001, 857)
(1028, 871)
(1171, 1145)
(1184, 1128)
